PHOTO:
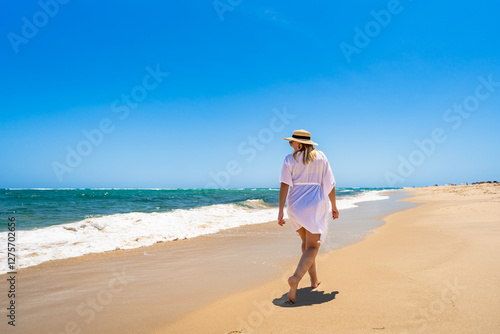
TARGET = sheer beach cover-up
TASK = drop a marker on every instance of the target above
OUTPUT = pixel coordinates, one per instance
(308, 204)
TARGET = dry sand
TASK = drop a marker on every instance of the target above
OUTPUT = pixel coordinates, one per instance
(433, 268)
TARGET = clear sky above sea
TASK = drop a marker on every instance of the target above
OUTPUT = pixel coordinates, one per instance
(167, 94)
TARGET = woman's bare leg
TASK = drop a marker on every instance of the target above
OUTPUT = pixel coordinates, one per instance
(305, 263)
(312, 271)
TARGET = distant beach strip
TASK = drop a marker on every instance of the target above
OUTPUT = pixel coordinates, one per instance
(63, 223)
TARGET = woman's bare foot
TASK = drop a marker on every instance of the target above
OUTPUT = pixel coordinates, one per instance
(314, 285)
(292, 281)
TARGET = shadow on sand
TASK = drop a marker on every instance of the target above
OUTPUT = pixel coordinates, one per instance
(306, 297)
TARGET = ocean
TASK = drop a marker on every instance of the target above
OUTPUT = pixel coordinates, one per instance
(62, 223)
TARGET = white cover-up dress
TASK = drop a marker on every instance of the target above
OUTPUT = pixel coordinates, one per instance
(308, 204)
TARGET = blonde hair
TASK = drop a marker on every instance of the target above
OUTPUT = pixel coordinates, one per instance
(308, 153)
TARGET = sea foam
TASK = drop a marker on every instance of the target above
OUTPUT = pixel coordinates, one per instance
(138, 229)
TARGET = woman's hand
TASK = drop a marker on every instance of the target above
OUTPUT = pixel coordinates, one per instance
(281, 221)
(335, 212)
(283, 194)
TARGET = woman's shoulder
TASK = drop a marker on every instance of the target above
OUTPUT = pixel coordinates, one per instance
(289, 157)
(322, 157)
(320, 154)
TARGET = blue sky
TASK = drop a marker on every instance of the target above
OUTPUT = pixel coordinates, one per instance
(201, 93)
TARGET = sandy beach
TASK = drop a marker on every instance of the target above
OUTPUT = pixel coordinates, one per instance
(429, 269)
(159, 159)
(142, 289)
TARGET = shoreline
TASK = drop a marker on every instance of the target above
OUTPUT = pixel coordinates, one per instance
(136, 229)
(232, 261)
(429, 268)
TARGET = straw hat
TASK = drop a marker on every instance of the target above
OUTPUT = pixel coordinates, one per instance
(301, 136)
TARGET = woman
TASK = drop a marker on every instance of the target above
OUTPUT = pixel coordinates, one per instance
(307, 179)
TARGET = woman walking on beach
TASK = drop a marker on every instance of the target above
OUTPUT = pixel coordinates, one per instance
(307, 179)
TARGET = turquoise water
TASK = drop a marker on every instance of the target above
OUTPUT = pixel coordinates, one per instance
(56, 224)
(38, 208)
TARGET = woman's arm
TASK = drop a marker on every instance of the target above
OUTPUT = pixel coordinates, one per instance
(335, 211)
(283, 194)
